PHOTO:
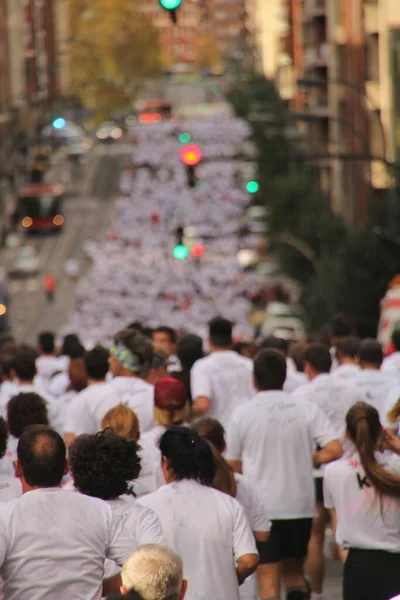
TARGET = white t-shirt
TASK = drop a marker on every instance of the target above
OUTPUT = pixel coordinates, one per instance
(224, 377)
(208, 529)
(363, 521)
(150, 478)
(251, 501)
(274, 435)
(347, 372)
(46, 367)
(90, 406)
(376, 386)
(59, 383)
(54, 411)
(294, 379)
(335, 397)
(10, 488)
(78, 416)
(391, 364)
(141, 522)
(53, 544)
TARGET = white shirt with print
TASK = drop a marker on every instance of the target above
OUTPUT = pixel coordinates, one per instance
(376, 386)
(347, 372)
(391, 364)
(274, 435)
(335, 397)
(209, 530)
(53, 544)
(226, 378)
(363, 521)
(141, 522)
(10, 488)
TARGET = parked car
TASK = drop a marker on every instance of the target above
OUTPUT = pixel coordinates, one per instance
(284, 321)
(26, 264)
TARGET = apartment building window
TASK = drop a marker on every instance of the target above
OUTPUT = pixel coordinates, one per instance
(372, 57)
(395, 68)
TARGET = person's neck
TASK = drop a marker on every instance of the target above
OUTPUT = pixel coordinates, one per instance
(346, 360)
(21, 382)
(48, 355)
(30, 488)
(369, 367)
(215, 349)
(126, 373)
(95, 381)
(313, 374)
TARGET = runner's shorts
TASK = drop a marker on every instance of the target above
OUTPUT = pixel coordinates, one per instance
(288, 539)
(371, 575)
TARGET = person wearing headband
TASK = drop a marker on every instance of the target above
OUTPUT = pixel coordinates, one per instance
(129, 363)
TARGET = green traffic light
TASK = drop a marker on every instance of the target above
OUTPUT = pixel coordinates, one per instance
(180, 252)
(170, 4)
(252, 187)
(184, 138)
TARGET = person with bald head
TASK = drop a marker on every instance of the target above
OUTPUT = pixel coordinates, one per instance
(53, 542)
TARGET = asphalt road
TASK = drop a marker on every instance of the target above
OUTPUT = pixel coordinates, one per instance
(88, 212)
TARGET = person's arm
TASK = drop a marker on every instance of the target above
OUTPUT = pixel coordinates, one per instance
(200, 386)
(112, 585)
(246, 565)
(330, 452)
(234, 444)
(324, 437)
(391, 442)
(201, 405)
(244, 545)
(236, 465)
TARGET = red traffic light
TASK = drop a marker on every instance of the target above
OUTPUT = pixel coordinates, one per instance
(198, 250)
(191, 155)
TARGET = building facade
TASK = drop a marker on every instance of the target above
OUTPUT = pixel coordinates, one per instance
(345, 59)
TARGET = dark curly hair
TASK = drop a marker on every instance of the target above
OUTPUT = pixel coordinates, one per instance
(104, 464)
(24, 410)
(3, 437)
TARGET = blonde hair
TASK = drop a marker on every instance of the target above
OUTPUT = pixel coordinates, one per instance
(123, 421)
(170, 417)
(394, 413)
(155, 572)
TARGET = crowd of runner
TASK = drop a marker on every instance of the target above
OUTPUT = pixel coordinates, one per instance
(209, 476)
(135, 272)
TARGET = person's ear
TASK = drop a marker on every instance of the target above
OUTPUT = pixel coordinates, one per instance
(66, 467)
(183, 589)
(123, 590)
(17, 469)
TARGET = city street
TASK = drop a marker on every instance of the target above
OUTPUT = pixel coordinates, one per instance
(88, 209)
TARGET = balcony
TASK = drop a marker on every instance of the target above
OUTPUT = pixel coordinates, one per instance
(314, 9)
(371, 18)
(316, 56)
(373, 92)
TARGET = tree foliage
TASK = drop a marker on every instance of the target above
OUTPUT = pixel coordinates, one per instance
(114, 49)
(351, 269)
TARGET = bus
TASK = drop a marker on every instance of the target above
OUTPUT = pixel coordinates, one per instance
(40, 208)
(154, 111)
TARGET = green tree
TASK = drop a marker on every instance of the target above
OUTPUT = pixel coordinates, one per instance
(115, 48)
